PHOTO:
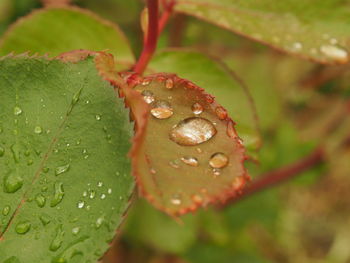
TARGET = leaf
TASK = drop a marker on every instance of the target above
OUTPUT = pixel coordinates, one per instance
(57, 30)
(64, 178)
(192, 155)
(218, 80)
(314, 31)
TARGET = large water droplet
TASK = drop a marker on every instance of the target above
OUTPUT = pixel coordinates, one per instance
(334, 52)
(192, 131)
(62, 169)
(189, 160)
(148, 96)
(58, 240)
(197, 108)
(218, 160)
(58, 194)
(17, 111)
(23, 227)
(40, 200)
(161, 109)
(12, 183)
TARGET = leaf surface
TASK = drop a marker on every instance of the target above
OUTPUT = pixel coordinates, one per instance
(317, 31)
(192, 155)
(57, 30)
(64, 170)
(217, 80)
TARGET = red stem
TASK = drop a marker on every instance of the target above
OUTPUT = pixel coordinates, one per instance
(282, 174)
(152, 37)
(168, 9)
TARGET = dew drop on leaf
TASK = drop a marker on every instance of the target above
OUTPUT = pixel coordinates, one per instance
(45, 219)
(176, 200)
(75, 230)
(98, 117)
(62, 169)
(58, 240)
(38, 130)
(334, 52)
(197, 108)
(17, 111)
(161, 109)
(12, 183)
(169, 83)
(6, 210)
(81, 204)
(40, 200)
(218, 160)
(148, 96)
(189, 160)
(58, 194)
(23, 227)
(192, 131)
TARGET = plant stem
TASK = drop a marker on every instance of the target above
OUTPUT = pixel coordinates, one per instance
(168, 9)
(152, 37)
(280, 175)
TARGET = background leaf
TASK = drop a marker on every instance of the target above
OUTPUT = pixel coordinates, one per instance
(58, 30)
(315, 31)
(65, 180)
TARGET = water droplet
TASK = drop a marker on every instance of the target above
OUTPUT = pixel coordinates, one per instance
(45, 219)
(109, 191)
(297, 46)
(216, 171)
(99, 222)
(218, 160)
(62, 169)
(221, 113)
(30, 162)
(192, 131)
(81, 204)
(23, 227)
(197, 108)
(169, 83)
(38, 130)
(17, 111)
(92, 194)
(230, 130)
(2, 151)
(40, 200)
(98, 117)
(58, 240)
(75, 230)
(46, 169)
(161, 109)
(174, 164)
(12, 183)
(58, 194)
(153, 171)
(189, 160)
(100, 184)
(146, 82)
(76, 96)
(148, 96)
(334, 52)
(103, 196)
(176, 200)
(6, 210)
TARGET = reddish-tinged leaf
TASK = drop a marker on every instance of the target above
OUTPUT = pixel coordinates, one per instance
(192, 154)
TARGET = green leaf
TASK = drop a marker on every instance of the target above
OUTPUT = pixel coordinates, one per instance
(192, 155)
(65, 178)
(219, 81)
(313, 31)
(58, 30)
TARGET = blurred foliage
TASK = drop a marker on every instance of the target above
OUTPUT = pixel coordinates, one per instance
(300, 105)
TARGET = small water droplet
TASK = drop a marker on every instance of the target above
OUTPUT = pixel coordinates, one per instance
(58, 240)
(174, 164)
(75, 230)
(218, 160)
(100, 184)
(146, 82)
(62, 169)
(176, 200)
(45, 219)
(221, 113)
(169, 83)
(92, 194)
(334, 52)
(297, 46)
(161, 109)
(98, 117)
(2, 151)
(148, 96)
(58, 194)
(38, 130)
(81, 204)
(40, 200)
(153, 171)
(109, 191)
(197, 108)
(17, 111)
(230, 130)
(216, 171)
(103, 196)
(23, 227)
(6, 210)
(12, 183)
(99, 222)
(192, 131)
(189, 160)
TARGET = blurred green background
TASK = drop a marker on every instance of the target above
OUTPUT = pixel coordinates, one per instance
(300, 105)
